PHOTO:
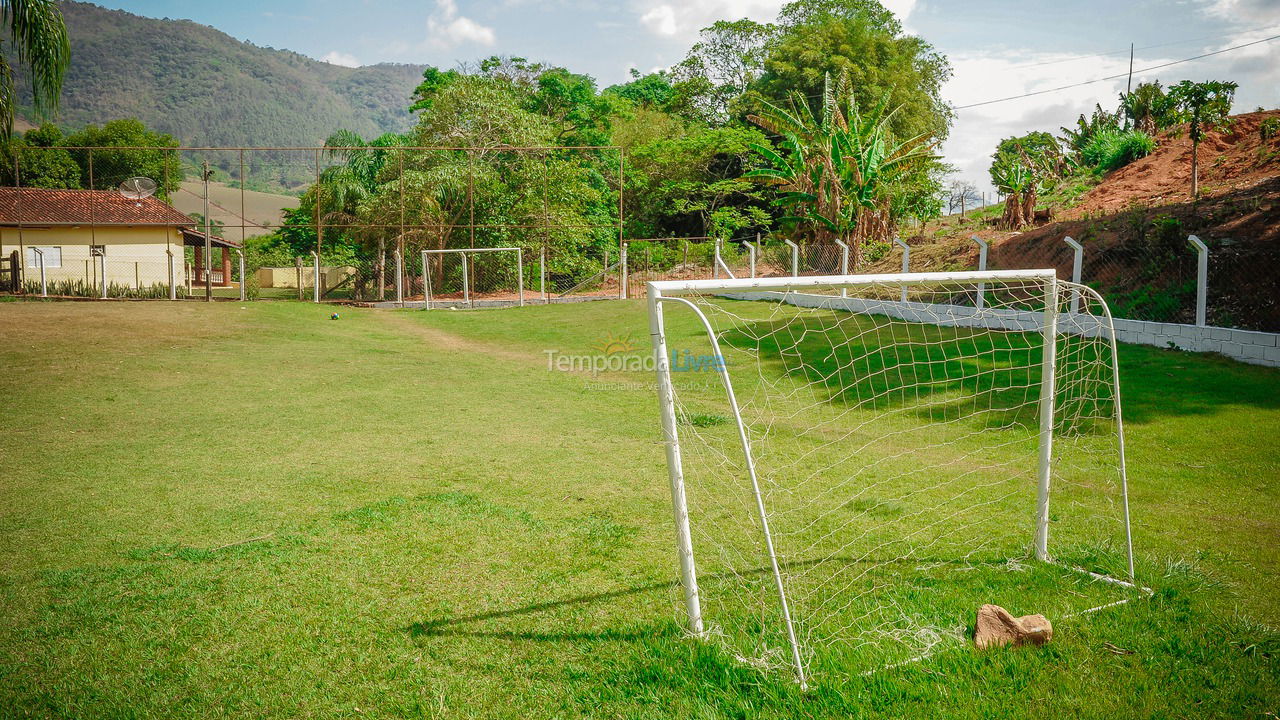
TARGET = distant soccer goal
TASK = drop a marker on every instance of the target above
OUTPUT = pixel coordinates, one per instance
(866, 459)
(464, 276)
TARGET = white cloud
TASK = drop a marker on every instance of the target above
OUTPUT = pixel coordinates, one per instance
(660, 20)
(340, 58)
(447, 29)
(1251, 12)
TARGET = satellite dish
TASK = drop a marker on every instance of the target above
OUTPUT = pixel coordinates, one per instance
(138, 188)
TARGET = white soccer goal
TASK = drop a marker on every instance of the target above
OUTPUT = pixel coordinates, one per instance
(866, 459)
(462, 275)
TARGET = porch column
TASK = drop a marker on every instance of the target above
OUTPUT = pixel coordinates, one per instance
(226, 267)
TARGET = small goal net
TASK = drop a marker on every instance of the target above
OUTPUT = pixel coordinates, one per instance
(858, 462)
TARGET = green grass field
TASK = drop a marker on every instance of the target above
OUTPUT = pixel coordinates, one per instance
(249, 510)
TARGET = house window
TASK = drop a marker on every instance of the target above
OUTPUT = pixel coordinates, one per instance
(52, 257)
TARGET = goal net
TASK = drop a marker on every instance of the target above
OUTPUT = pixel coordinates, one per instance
(858, 463)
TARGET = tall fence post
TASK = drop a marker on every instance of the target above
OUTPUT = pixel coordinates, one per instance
(751, 250)
(315, 278)
(399, 276)
(795, 258)
(240, 260)
(173, 289)
(982, 265)
(906, 261)
(1202, 279)
(102, 265)
(297, 269)
(1077, 264)
(44, 289)
(426, 283)
(715, 260)
(466, 280)
(622, 273)
(520, 274)
(844, 264)
(542, 275)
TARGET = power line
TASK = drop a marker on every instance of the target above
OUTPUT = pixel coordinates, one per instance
(1113, 77)
(1144, 47)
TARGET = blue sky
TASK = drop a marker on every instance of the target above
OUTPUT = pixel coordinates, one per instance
(998, 48)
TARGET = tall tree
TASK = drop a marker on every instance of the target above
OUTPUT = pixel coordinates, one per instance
(38, 34)
(122, 149)
(728, 57)
(1148, 107)
(1204, 106)
(861, 40)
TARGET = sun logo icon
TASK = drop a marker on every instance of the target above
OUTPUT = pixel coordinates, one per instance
(614, 344)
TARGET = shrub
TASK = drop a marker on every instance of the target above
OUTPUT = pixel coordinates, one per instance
(1109, 150)
(1269, 128)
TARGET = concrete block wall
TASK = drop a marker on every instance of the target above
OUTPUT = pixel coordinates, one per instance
(1257, 348)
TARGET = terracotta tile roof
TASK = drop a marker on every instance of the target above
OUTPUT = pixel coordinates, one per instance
(33, 206)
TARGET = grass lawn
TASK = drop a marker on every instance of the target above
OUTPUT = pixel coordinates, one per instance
(438, 526)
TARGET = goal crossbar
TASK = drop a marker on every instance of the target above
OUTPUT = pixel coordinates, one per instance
(686, 287)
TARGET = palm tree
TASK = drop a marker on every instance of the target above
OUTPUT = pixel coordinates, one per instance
(837, 174)
(39, 34)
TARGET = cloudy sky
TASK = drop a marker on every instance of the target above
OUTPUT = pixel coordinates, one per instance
(997, 48)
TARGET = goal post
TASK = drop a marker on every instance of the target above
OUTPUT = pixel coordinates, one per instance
(848, 455)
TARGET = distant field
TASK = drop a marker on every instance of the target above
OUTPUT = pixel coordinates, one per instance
(259, 208)
(250, 510)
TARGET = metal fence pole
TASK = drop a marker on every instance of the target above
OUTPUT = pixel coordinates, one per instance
(844, 264)
(44, 289)
(1077, 263)
(622, 274)
(1202, 279)
(795, 258)
(102, 265)
(399, 277)
(751, 250)
(520, 274)
(466, 281)
(426, 282)
(240, 259)
(315, 279)
(906, 261)
(715, 259)
(982, 265)
(173, 290)
(542, 275)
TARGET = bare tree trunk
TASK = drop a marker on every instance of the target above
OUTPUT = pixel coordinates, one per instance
(1029, 206)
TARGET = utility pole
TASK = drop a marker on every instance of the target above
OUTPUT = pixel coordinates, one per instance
(208, 240)
(1128, 86)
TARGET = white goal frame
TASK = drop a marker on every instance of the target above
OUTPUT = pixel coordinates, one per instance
(672, 292)
(466, 278)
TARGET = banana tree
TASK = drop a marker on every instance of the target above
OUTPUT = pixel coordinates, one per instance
(836, 173)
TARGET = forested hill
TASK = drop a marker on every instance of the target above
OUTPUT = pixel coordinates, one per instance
(205, 87)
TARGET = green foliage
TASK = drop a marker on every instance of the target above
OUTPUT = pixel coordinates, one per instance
(34, 157)
(860, 40)
(836, 173)
(1038, 153)
(112, 163)
(1269, 128)
(727, 59)
(651, 92)
(1086, 128)
(433, 81)
(1107, 151)
(1204, 106)
(1150, 109)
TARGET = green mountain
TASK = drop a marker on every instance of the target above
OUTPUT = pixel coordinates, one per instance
(207, 88)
